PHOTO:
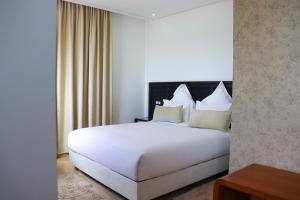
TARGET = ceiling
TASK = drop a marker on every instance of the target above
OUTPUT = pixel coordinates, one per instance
(145, 8)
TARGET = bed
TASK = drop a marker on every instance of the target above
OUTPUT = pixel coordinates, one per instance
(143, 161)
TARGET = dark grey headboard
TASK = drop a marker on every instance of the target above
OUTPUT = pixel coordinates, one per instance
(198, 89)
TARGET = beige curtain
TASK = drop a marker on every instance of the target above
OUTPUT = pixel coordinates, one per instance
(83, 69)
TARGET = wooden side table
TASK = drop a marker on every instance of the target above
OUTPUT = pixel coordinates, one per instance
(258, 181)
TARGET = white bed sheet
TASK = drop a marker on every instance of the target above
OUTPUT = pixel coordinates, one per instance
(142, 151)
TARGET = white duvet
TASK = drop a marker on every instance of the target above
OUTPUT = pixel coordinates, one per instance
(142, 151)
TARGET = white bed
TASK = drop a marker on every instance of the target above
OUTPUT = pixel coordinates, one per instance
(147, 160)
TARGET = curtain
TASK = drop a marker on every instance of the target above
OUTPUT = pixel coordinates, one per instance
(83, 74)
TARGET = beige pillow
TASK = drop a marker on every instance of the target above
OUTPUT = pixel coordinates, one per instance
(219, 120)
(168, 114)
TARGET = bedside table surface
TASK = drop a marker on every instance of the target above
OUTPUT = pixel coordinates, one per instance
(142, 119)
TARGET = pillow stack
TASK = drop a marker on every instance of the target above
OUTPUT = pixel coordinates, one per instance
(213, 112)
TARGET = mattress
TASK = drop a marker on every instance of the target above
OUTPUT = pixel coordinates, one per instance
(141, 151)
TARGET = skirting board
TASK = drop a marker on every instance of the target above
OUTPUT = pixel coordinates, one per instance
(152, 188)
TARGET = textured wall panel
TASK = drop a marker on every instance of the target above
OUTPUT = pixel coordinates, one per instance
(266, 86)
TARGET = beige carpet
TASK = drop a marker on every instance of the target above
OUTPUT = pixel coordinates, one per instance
(75, 185)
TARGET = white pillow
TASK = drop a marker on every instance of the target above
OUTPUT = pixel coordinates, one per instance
(219, 97)
(216, 107)
(181, 97)
(219, 100)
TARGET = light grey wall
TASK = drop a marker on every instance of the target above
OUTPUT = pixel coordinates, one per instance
(128, 68)
(27, 100)
(195, 45)
(266, 84)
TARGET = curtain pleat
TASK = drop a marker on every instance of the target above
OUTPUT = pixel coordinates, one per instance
(84, 51)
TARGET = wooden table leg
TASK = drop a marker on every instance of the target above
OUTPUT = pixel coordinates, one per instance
(224, 193)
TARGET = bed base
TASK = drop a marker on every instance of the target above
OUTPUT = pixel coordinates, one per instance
(152, 188)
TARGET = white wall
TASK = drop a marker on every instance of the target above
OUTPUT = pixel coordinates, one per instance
(27, 100)
(192, 46)
(128, 68)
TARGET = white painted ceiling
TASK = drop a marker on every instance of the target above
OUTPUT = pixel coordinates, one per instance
(145, 8)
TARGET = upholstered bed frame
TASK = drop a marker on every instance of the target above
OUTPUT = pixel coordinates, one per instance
(152, 188)
(155, 187)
